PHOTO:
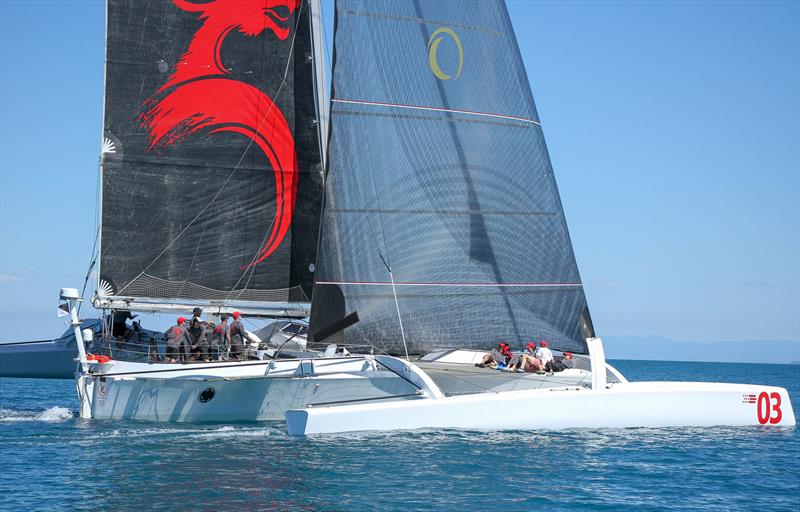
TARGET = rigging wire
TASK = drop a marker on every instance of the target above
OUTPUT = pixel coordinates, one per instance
(92, 263)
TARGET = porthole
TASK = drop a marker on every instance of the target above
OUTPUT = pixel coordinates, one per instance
(206, 395)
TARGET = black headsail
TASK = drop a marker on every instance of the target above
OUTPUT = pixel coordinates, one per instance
(212, 177)
(439, 180)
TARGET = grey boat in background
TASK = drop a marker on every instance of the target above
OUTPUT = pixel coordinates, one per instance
(45, 359)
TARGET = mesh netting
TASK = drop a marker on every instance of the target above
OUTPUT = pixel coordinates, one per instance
(153, 287)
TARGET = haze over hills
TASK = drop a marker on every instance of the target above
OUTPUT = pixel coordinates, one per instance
(658, 348)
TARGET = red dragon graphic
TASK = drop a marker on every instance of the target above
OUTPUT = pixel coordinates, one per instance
(198, 96)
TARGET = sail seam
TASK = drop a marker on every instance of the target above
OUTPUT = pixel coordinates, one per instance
(459, 285)
(436, 109)
(422, 21)
(444, 212)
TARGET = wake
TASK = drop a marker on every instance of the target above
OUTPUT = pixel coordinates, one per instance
(53, 414)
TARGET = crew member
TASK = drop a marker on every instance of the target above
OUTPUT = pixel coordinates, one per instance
(529, 362)
(560, 363)
(176, 336)
(197, 333)
(238, 335)
(221, 339)
(543, 353)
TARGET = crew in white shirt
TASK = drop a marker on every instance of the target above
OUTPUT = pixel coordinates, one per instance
(543, 353)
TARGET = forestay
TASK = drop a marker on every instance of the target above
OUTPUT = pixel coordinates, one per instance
(439, 180)
(211, 165)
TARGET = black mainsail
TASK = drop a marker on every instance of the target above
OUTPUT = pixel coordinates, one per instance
(443, 226)
(211, 171)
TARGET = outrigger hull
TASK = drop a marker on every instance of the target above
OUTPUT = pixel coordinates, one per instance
(622, 405)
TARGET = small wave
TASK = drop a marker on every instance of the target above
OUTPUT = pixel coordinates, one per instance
(51, 414)
(229, 431)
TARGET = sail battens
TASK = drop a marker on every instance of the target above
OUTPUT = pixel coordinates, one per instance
(437, 109)
(460, 285)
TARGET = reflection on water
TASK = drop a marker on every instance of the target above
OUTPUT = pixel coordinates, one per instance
(68, 463)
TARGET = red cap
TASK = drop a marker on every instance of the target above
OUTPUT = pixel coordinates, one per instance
(181, 320)
(542, 343)
(236, 315)
(568, 354)
(531, 344)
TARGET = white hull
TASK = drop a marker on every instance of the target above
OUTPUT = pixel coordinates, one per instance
(250, 391)
(624, 405)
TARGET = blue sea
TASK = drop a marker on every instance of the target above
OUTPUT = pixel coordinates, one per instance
(51, 460)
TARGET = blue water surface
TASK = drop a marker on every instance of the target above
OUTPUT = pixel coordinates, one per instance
(51, 460)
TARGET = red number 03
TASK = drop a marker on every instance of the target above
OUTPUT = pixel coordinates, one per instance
(766, 409)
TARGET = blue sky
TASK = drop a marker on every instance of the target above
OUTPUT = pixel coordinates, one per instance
(673, 127)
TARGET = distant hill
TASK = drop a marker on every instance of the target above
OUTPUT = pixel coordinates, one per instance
(658, 348)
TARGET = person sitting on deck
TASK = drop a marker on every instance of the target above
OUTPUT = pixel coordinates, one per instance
(543, 353)
(530, 362)
(527, 361)
(494, 358)
(513, 361)
(560, 363)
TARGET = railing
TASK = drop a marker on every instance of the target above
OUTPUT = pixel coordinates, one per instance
(151, 347)
(582, 362)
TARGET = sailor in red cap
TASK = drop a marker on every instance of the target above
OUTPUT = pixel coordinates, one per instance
(495, 357)
(528, 361)
(176, 336)
(543, 353)
(561, 363)
(238, 336)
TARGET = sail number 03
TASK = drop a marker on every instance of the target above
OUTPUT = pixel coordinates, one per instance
(769, 408)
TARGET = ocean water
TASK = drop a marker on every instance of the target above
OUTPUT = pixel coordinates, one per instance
(51, 460)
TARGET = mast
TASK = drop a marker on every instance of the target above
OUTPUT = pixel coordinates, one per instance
(320, 85)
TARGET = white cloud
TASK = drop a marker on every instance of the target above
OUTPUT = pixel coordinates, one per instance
(8, 278)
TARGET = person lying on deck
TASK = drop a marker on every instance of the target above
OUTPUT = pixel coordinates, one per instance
(560, 363)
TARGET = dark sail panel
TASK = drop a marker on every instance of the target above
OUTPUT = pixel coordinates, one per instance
(211, 181)
(438, 171)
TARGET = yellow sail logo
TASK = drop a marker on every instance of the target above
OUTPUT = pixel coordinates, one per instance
(433, 51)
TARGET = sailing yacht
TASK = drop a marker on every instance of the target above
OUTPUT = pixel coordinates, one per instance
(419, 226)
